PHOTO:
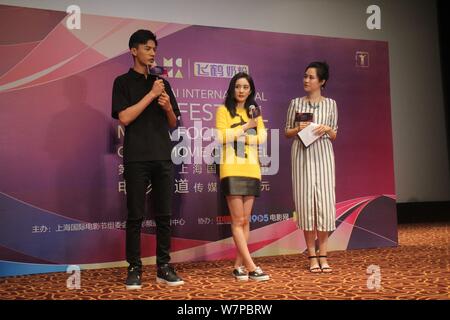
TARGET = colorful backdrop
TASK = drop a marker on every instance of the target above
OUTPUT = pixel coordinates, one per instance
(62, 193)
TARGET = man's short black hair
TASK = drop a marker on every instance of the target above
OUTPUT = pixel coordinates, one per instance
(141, 37)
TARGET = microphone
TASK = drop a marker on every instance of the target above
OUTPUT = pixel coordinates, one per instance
(158, 71)
(251, 111)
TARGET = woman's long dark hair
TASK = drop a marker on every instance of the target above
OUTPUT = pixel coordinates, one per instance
(230, 101)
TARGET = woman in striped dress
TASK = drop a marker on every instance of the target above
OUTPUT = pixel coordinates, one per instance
(313, 175)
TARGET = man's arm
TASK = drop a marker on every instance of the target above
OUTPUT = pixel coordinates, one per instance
(130, 114)
(166, 105)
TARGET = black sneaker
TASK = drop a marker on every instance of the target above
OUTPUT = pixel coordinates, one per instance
(240, 274)
(258, 275)
(134, 278)
(166, 274)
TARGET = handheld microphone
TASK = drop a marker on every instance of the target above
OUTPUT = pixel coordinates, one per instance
(254, 111)
(158, 71)
(251, 111)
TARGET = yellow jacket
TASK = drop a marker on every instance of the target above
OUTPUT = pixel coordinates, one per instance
(239, 156)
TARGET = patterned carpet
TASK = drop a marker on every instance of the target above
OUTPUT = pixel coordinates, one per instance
(417, 269)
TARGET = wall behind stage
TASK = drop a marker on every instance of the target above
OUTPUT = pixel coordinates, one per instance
(409, 26)
(62, 194)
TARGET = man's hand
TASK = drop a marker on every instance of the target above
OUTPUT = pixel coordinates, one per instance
(164, 101)
(158, 88)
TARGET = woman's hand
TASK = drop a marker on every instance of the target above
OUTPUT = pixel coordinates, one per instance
(303, 125)
(250, 124)
(322, 129)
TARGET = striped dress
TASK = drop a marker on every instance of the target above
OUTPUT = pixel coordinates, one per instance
(313, 175)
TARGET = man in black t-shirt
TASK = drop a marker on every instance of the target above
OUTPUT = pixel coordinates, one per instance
(146, 106)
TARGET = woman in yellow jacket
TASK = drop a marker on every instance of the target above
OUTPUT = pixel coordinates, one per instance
(240, 130)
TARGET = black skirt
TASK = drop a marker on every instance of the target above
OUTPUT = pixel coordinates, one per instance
(240, 186)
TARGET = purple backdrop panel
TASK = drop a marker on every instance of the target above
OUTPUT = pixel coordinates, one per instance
(62, 192)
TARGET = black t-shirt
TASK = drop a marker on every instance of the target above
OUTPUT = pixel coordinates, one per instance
(147, 137)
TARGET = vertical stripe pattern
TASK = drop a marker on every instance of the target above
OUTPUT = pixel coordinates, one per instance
(313, 169)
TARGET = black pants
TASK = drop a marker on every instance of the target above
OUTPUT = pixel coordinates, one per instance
(138, 175)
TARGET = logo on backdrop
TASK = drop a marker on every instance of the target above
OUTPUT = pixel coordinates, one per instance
(218, 70)
(173, 66)
(362, 59)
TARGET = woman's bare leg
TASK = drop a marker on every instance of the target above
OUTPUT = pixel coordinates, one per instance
(239, 224)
